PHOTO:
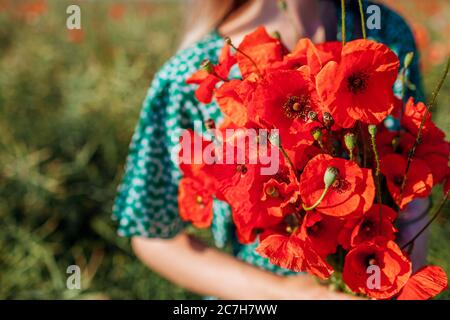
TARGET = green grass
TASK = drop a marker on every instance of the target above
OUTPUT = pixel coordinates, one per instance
(67, 112)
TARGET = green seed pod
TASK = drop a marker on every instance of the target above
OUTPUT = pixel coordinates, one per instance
(282, 5)
(207, 66)
(330, 176)
(312, 115)
(276, 35)
(372, 129)
(317, 134)
(350, 140)
(408, 59)
(328, 119)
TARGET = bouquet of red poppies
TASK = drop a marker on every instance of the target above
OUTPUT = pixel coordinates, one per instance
(307, 164)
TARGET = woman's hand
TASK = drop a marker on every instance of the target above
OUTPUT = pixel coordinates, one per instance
(190, 264)
(305, 287)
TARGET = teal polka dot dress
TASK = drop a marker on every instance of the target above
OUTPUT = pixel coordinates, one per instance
(146, 203)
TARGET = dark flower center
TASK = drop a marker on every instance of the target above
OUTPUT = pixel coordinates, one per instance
(371, 260)
(292, 223)
(297, 107)
(315, 229)
(282, 176)
(340, 185)
(241, 168)
(368, 227)
(398, 180)
(357, 82)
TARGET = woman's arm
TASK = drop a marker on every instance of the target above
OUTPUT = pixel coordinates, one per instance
(410, 222)
(189, 263)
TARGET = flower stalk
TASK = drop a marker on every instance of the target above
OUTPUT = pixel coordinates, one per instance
(373, 132)
(422, 123)
(343, 21)
(363, 24)
(435, 215)
(230, 43)
(330, 176)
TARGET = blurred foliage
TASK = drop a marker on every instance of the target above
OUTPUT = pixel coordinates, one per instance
(69, 102)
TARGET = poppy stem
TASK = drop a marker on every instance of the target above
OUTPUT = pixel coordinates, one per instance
(363, 24)
(275, 140)
(373, 132)
(219, 77)
(364, 142)
(317, 202)
(329, 177)
(230, 43)
(435, 215)
(420, 132)
(343, 21)
(406, 63)
(286, 156)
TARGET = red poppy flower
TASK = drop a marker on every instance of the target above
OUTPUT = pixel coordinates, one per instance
(301, 154)
(359, 87)
(117, 11)
(394, 269)
(436, 155)
(352, 192)
(305, 53)
(329, 51)
(291, 252)
(195, 202)
(322, 231)
(283, 100)
(413, 117)
(208, 79)
(434, 152)
(368, 227)
(258, 192)
(425, 284)
(262, 49)
(191, 155)
(259, 201)
(233, 98)
(418, 183)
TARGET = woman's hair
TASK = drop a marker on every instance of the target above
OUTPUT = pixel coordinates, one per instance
(204, 16)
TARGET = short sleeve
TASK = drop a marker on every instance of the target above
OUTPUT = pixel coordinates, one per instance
(146, 203)
(147, 199)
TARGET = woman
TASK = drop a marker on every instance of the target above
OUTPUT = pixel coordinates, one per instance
(146, 206)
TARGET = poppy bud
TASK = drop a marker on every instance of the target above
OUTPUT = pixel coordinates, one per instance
(274, 139)
(328, 119)
(372, 129)
(272, 191)
(317, 134)
(330, 176)
(276, 35)
(408, 59)
(312, 115)
(282, 5)
(207, 66)
(350, 141)
(210, 124)
(241, 168)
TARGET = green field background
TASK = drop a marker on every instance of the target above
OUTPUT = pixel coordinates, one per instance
(69, 102)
